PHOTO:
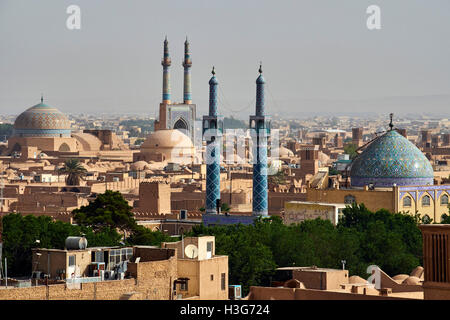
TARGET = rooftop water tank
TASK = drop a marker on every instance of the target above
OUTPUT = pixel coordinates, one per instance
(76, 243)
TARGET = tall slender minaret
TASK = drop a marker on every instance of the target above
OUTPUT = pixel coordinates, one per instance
(261, 129)
(187, 64)
(166, 62)
(212, 132)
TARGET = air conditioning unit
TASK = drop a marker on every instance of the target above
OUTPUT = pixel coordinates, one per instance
(234, 292)
(109, 275)
(36, 274)
(96, 273)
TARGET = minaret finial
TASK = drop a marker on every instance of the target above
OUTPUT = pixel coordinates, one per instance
(186, 39)
(391, 125)
(260, 67)
(42, 98)
(213, 71)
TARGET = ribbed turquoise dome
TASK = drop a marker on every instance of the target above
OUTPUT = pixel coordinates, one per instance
(391, 159)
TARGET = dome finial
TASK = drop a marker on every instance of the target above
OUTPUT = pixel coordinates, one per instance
(391, 125)
(42, 98)
(260, 67)
(213, 71)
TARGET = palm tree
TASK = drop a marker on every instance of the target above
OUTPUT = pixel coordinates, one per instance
(74, 170)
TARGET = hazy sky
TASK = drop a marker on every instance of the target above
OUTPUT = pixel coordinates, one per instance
(317, 55)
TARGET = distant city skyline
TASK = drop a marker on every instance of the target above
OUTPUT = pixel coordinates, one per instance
(318, 57)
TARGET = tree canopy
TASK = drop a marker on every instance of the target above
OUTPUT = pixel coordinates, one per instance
(20, 235)
(362, 238)
(108, 210)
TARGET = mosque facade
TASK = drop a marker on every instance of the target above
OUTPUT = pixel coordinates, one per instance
(179, 116)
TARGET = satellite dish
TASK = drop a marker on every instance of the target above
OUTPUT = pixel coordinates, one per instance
(191, 251)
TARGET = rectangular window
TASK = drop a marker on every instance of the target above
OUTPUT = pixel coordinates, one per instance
(212, 277)
(222, 281)
(99, 256)
(209, 248)
(184, 286)
(72, 260)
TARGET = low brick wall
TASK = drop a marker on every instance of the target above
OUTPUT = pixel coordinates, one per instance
(153, 281)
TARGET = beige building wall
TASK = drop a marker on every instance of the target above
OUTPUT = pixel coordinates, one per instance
(44, 143)
(374, 200)
(434, 210)
(205, 272)
(57, 260)
(298, 211)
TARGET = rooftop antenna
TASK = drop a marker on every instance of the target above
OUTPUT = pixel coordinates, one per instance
(391, 125)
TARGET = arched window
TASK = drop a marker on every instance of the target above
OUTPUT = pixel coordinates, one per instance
(349, 199)
(426, 219)
(180, 124)
(64, 147)
(407, 201)
(426, 201)
(444, 200)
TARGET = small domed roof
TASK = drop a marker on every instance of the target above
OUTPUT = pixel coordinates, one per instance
(139, 165)
(400, 278)
(167, 139)
(356, 279)
(391, 159)
(285, 152)
(411, 281)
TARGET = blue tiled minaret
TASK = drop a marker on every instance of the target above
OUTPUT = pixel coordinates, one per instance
(261, 126)
(212, 132)
(187, 64)
(166, 62)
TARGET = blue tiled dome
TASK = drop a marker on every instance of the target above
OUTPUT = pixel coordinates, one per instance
(42, 120)
(391, 159)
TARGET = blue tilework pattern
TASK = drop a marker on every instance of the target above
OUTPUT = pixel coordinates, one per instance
(260, 195)
(42, 120)
(391, 159)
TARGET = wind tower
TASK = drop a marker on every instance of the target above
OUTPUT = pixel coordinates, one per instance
(212, 133)
(260, 127)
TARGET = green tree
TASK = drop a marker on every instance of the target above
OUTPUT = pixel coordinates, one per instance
(6, 130)
(278, 178)
(20, 235)
(144, 236)
(224, 207)
(108, 210)
(350, 149)
(74, 170)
